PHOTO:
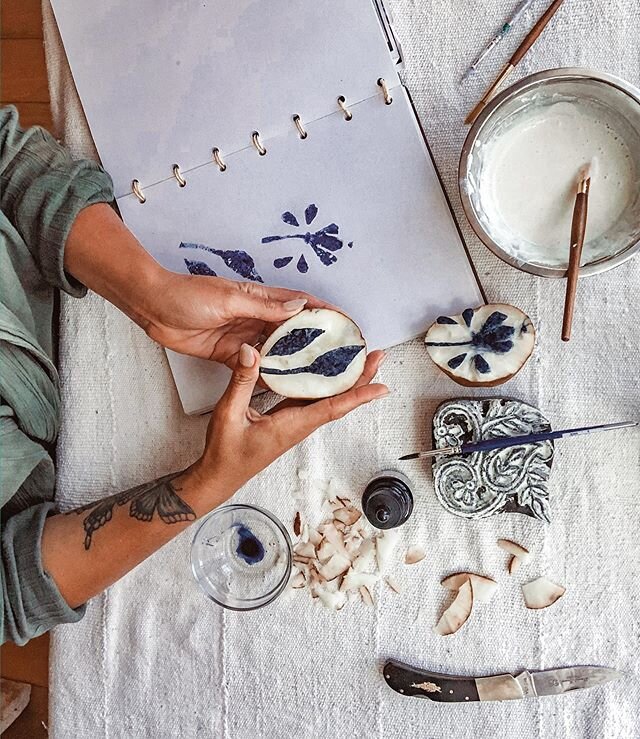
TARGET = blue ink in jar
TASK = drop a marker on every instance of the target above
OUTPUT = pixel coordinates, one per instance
(249, 547)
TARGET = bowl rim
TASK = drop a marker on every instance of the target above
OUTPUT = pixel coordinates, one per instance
(592, 268)
(267, 598)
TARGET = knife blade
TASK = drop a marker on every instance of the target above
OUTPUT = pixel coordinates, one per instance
(444, 688)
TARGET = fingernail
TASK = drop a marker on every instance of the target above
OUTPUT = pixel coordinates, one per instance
(383, 359)
(247, 357)
(293, 306)
(382, 392)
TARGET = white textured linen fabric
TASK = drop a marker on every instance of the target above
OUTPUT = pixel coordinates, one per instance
(153, 658)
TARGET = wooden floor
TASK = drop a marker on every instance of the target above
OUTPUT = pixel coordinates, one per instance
(23, 82)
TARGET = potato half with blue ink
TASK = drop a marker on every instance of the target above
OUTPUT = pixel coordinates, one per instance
(482, 347)
(316, 354)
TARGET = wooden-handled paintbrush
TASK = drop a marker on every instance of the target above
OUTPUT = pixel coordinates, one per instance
(524, 47)
(578, 230)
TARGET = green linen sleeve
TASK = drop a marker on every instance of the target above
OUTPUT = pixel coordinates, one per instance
(31, 601)
(42, 190)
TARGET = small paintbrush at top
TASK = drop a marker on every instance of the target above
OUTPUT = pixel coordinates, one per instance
(578, 230)
(504, 442)
(524, 47)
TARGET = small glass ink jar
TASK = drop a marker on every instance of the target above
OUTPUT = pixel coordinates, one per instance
(387, 500)
(241, 557)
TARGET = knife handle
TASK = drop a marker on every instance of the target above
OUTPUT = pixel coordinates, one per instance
(450, 688)
(432, 685)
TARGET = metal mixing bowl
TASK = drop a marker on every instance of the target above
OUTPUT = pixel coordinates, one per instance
(600, 87)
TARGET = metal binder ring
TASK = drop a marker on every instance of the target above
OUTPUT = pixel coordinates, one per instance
(178, 175)
(255, 138)
(135, 186)
(218, 159)
(300, 127)
(343, 107)
(385, 91)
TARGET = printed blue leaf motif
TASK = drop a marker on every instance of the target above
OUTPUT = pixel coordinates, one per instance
(456, 361)
(323, 241)
(494, 320)
(296, 340)
(350, 245)
(238, 261)
(445, 319)
(481, 364)
(310, 213)
(199, 268)
(289, 218)
(328, 242)
(329, 364)
(325, 257)
(467, 315)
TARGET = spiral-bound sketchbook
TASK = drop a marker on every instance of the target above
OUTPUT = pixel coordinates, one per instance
(272, 142)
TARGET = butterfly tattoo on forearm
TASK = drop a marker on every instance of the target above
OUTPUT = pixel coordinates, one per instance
(159, 496)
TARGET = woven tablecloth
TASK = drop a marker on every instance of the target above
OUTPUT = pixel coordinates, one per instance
(154, 658)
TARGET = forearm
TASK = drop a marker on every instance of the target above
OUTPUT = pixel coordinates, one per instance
(88, 549)
(105, 256)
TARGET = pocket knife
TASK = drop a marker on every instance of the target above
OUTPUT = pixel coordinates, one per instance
(444, 688)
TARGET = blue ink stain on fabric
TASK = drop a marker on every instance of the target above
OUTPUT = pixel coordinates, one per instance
(445, 319)
(250, 548)
(237, 260)
(290, 219)
(481, 364)
(302, 265)
(281, 262)
(294, 341)
(329, 364)
(199, 268)
(310, 213)
(455, 362)
(467, 315)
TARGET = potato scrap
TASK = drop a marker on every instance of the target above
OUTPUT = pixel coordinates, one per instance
(483, 587)
(414, 554)
(458, 612)
(541, 593)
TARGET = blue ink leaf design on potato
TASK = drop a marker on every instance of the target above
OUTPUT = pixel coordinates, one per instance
(492, 338)
(199, 268)
(322, 242)
(237, 260)
(296, 340)
(329, 364)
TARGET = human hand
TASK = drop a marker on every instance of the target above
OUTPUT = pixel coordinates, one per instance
(211, 317)
(241, 442)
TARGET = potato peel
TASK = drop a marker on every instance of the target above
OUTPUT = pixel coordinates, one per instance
(458, 612)
(483, 587)
(541, 593)
(414, 554)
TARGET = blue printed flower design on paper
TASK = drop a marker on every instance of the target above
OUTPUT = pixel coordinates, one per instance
(236, 260)
(324, 242)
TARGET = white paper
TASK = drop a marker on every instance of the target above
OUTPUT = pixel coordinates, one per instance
(164, 81)
(372, 177)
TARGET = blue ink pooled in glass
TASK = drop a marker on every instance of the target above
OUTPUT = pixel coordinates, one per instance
(330, 364)
(323, 242)
(296, 340)
(237, 260)
(249, 547)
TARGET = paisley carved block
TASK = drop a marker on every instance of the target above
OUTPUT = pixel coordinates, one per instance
(512, 480)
